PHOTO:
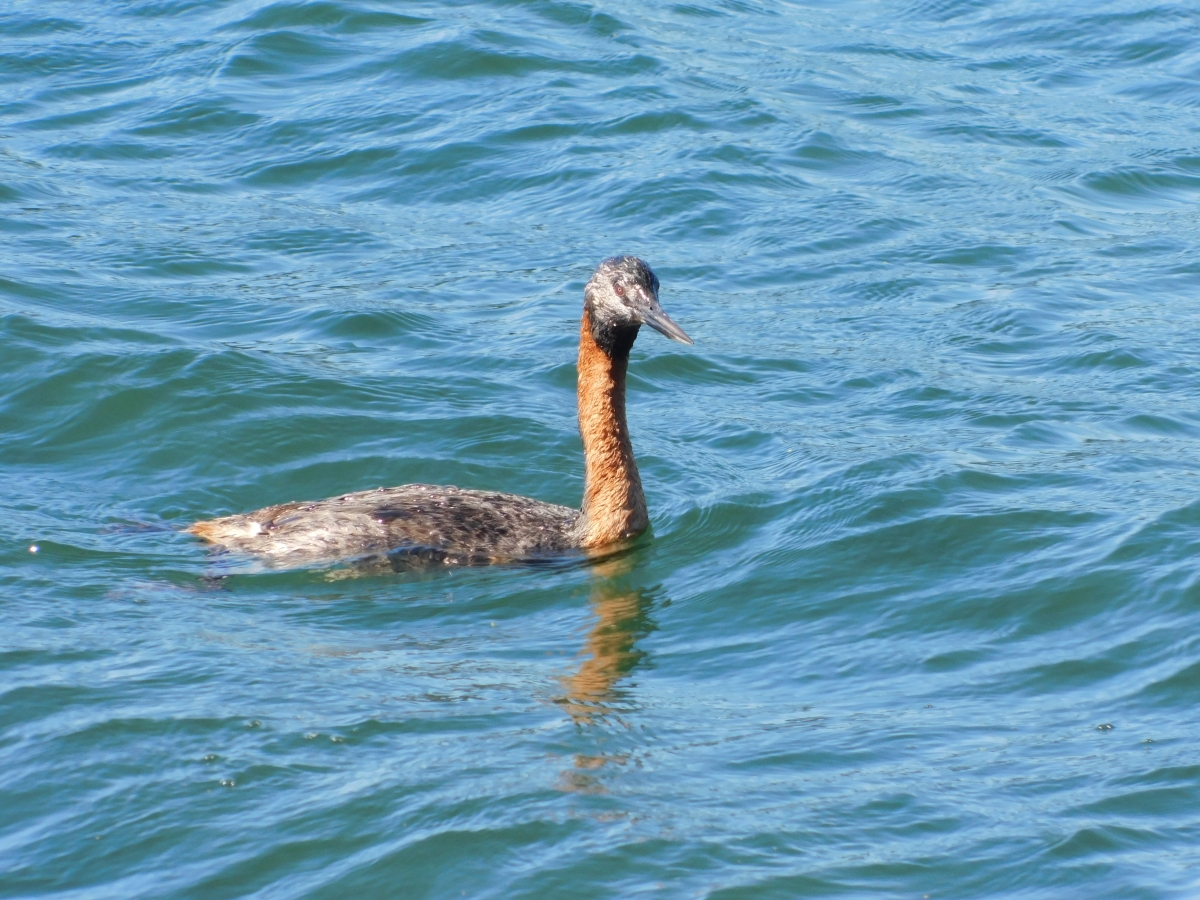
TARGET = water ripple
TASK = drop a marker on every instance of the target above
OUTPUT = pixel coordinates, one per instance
(916, 614)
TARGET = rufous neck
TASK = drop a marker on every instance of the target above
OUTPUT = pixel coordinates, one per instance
(614, 507)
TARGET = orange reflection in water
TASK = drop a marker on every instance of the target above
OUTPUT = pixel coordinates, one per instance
(591, 693)
(609, 653)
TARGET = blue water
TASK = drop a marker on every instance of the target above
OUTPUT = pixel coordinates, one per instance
(920, 614)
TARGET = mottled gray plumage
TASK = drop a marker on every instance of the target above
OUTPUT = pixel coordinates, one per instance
(427, 523)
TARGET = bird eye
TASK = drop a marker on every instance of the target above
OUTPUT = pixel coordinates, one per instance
(620, 289)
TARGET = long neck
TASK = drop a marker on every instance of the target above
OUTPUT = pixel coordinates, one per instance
(614, 507)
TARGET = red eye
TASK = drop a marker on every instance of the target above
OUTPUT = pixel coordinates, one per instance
(620, 289)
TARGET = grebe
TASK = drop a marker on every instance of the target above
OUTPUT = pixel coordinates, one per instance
(422, 524)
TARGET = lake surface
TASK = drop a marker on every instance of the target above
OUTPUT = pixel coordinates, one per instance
(920, 613)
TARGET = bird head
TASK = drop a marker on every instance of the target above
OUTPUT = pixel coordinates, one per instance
(623, 295)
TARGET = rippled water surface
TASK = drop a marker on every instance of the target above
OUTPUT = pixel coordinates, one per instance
(920, 615)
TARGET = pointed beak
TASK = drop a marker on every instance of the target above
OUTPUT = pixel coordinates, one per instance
(652, 314)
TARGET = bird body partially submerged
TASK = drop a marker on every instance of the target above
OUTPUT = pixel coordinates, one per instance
(421, 523)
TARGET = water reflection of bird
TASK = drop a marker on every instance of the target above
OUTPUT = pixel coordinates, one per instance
(610, 653)
(420, 523)
(591, 694)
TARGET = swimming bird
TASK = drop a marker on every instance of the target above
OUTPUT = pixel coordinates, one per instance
(422, 524)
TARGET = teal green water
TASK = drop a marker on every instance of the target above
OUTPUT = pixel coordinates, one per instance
(920, 615)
